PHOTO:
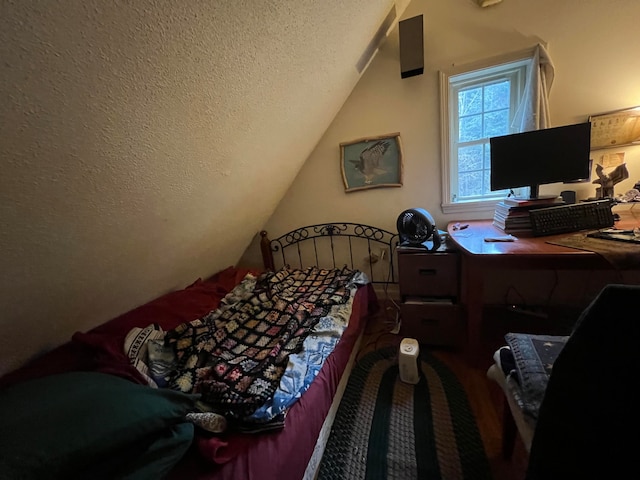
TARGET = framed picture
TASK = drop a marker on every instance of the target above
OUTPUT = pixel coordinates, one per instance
(371, 162)
(615, 129)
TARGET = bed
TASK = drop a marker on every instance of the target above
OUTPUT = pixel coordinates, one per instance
(96, 390)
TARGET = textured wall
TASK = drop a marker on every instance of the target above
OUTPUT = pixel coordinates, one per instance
(596, 71)
(143, 143)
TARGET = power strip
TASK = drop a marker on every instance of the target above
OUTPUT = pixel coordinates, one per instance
(529, 310)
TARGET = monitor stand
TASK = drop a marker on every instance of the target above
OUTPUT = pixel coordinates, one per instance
(539, 197)
(534, 191)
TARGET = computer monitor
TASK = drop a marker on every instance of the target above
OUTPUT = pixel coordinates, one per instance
(538, 157)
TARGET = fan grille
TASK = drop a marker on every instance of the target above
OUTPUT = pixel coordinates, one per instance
(415, 226)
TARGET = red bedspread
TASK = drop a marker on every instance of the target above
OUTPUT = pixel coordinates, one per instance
(266, 455)
(281, 454)
(101, 349)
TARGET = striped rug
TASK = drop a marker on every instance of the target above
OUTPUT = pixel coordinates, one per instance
(387, 429)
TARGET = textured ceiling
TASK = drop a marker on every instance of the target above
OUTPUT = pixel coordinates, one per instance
(144, 143)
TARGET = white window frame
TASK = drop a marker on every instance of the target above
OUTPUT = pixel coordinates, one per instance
(514, 66)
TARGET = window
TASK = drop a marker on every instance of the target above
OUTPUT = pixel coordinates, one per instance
(478, 102)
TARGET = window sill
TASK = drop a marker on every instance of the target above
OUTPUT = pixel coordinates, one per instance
(487, 207)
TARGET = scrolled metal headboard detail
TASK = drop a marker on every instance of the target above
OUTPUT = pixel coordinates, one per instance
(356, 245)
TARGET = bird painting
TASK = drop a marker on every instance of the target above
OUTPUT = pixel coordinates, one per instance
(369, 162)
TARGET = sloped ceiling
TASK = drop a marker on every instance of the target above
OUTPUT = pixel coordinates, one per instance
(144, 143)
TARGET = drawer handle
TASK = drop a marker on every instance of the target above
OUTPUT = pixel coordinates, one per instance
(427, 271)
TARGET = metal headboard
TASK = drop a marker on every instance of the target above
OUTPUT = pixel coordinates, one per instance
(358, 246)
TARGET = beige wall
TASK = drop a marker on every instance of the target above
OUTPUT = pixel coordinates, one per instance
(143, 143)
(590, 43)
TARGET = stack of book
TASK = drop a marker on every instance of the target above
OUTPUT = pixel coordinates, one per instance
(512, 214)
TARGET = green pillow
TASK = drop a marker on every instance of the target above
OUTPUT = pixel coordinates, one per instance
(92, 425)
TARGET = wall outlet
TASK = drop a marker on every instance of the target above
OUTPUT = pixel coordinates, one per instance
(487, 3)
(376, 257)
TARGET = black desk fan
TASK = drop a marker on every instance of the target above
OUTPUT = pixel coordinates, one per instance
(417, 228)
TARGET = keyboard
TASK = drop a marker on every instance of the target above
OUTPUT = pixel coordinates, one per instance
(571, 218)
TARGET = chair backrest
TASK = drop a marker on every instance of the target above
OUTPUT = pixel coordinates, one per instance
(588, 418)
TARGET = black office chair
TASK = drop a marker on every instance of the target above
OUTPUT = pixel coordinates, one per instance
(589, 416)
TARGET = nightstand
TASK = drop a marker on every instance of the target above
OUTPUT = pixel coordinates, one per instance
(429, 294)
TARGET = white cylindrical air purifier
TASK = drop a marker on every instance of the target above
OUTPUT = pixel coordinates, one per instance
(408, 360)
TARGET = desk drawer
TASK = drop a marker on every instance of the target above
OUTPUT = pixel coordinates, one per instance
(428, 274)
(433, 323)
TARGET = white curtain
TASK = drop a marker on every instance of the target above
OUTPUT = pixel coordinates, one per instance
(533, 111)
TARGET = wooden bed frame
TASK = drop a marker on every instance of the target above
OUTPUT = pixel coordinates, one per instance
(331, 245)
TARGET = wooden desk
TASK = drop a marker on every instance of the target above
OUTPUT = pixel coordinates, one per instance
(532, 253)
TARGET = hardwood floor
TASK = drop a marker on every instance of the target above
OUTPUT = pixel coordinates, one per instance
(484, 396)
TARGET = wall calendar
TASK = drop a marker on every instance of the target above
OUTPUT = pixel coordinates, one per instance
(616, 128)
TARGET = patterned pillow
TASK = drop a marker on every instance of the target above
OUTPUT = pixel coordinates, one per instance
(136, 346)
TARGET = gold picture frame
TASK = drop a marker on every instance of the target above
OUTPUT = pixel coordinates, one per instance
(616, 128)
(371, 162)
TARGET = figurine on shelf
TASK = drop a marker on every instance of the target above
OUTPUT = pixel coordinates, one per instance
(607, 181)
(632, 195)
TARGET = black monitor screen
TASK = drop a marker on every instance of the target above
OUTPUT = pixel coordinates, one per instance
(530, 159)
